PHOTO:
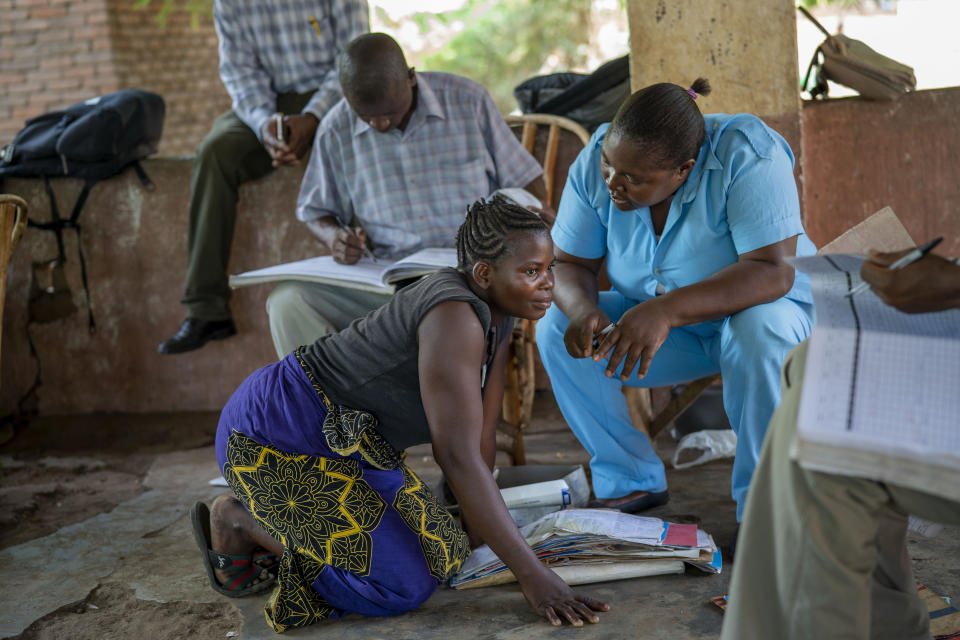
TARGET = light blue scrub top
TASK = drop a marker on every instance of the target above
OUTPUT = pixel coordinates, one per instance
(739, 196)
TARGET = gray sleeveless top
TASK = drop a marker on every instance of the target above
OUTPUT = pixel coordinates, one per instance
(372, 364)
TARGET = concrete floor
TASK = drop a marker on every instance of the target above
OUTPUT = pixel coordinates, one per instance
(145, 544)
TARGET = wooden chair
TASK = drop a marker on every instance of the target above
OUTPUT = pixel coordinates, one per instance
(648, 417)
(13, 219)
(555, 141)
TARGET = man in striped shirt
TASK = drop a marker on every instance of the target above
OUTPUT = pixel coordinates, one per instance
(278, 63)
(402, 155)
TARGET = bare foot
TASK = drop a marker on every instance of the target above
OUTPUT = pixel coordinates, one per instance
(229, 526)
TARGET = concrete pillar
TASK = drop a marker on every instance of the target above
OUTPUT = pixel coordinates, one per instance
(746, 48)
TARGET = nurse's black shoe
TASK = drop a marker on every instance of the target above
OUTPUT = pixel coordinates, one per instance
(642, 502)
(196, 332)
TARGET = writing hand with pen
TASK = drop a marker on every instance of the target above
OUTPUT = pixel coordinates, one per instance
(287, 138)
(349, 245)
(931, 283)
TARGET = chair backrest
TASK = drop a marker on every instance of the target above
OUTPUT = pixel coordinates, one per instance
(555, 142)
(13, 219)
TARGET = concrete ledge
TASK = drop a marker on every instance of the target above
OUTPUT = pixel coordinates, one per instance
(134, 244)
(857, 156)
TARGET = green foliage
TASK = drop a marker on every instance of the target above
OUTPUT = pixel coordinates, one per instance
(844, 4)
(197, 10)
(498, 43)
(504, 42)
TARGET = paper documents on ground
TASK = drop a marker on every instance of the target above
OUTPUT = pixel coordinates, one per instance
(881, 392)
(594, 545)
(552, 493)
(377, 276)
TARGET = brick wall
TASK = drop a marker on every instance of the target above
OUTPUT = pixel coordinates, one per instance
(54, 53)
(176, 61)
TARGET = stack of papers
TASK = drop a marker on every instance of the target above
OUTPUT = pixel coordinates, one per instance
(597, 545)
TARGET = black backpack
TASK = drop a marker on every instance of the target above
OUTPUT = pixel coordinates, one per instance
(588, 99)
(92, 140)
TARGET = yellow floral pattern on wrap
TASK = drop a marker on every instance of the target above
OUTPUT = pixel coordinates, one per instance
(324, 512)
(444, 543)
(319, 508)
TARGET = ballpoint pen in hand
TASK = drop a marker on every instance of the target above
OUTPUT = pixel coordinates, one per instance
(279, 121)
(347, 228)
(906, 259)
(596, 340)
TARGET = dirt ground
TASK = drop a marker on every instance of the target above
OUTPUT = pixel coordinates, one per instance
(64, 470)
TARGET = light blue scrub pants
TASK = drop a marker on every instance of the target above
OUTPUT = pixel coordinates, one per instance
(747, 349)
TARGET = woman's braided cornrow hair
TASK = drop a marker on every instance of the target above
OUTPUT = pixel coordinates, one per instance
(484, 231)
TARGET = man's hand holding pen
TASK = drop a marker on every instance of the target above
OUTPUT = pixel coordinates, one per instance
(288, 138)
(931, 283)
(349, 245)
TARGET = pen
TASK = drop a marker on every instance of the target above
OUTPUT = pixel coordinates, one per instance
(279, 118)
(346, 227)
(316, 27)
(905, 260)
(610, 327)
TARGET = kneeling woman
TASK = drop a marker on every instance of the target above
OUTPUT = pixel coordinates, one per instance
(312, 445)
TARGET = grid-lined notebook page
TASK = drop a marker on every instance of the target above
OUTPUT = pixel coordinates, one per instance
(879, 382)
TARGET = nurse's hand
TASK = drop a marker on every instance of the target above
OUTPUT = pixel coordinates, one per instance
(638, 335)
(581, 331)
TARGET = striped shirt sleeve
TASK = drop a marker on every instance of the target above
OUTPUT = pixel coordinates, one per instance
(247, 82)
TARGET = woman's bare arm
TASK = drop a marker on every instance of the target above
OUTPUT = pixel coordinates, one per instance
(451, 343)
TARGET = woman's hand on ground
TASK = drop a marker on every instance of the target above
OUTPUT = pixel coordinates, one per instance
(638, 335)
(554, 600)
(579, 335)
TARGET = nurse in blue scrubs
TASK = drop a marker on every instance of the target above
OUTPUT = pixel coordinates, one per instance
(694, 216)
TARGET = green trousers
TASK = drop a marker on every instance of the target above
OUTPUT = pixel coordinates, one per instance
(822, 555)
(230, 155)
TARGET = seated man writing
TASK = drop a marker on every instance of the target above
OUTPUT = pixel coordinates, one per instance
(404, 153)
(825, 555)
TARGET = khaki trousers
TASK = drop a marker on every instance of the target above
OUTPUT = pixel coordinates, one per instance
(301, 312)
(230, 155)
(821, 555)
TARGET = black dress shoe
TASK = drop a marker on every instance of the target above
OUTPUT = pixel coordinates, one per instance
(644, 502)
(194, 333)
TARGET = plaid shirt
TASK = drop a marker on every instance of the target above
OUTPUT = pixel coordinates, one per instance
(280, 46)
(410, 189)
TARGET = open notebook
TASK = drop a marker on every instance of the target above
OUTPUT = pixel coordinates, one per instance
(376, 275)
(881, 390)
